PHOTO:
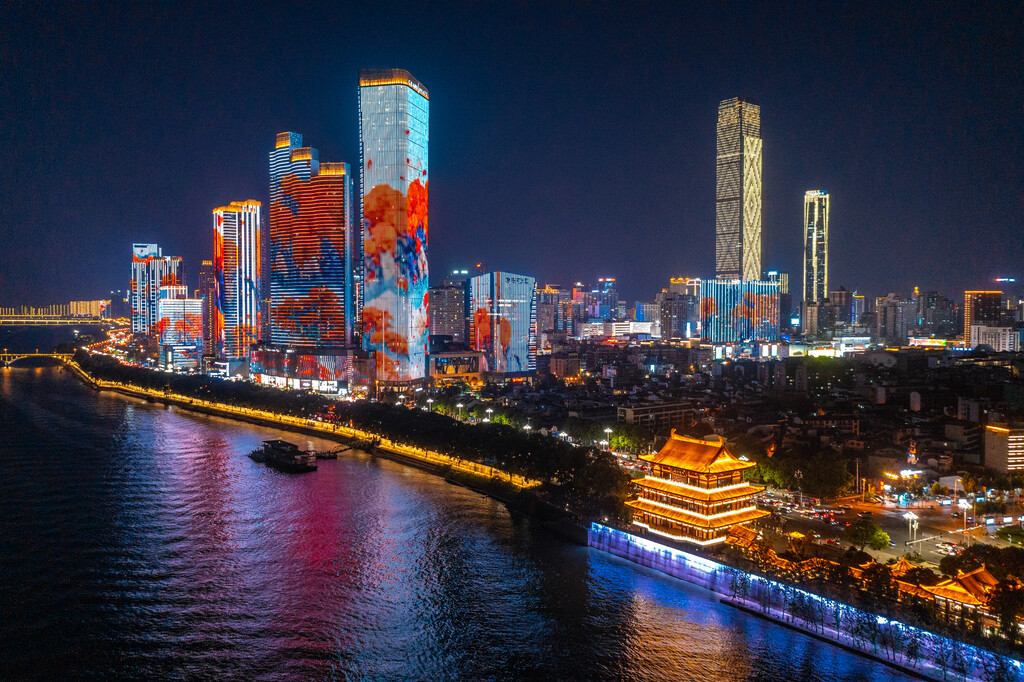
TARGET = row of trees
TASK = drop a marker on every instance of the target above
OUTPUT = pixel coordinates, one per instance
(586, 480)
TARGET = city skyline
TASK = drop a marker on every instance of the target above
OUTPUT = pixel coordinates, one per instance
(922, 151)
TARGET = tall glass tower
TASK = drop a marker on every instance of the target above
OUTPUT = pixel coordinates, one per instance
(815, 246)
(393, 117)
(310, 247)
(738, 191)
(238, 279)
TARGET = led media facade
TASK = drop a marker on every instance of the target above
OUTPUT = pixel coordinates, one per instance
(300, 370)
(180, 328)
(237, 278)
(738, 191)
(734, 311)
(310, 247)
(503, 321)
(150, 271)
(393, 117)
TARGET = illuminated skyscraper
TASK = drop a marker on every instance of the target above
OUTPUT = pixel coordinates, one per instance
(738, 191)
(310, 247)
(733, 311)
(503, 321)
(815, 246)
(180, 328)
(208, 293)
(150, 271)
(393, 135)
(238, 281)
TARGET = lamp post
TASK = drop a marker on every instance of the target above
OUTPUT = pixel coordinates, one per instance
(430, 404)
(604, 445)
(912, 524)
(963, 510)
(608, 433)
(459, 405)
(527, 428)
(488, 417)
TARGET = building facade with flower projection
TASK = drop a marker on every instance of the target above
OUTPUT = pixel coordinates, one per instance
(393, 135)
(312, 252)
(180, 328)
(237, 281)
(150, 271)
(738, 311)
(503, 321)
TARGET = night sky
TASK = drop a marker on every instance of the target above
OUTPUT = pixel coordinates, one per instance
(567, 141)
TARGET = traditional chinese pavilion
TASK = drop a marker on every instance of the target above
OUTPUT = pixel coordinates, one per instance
(695, 491)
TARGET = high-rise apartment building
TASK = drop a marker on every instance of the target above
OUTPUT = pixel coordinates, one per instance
(503, 322)
(311, 245)
(208, 294)
(448, 312)
(393, 136)
(238, 282)
(150, 270)
(738, 191)
(815, 246)
(981, 308)
(180, 328)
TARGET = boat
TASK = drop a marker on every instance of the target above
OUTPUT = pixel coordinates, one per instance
(285, 456)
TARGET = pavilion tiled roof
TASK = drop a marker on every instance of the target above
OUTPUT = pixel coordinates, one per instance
(694, 454)
(696, 520)
(702, 495)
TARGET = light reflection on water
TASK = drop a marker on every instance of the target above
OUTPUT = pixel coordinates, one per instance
(140, 541)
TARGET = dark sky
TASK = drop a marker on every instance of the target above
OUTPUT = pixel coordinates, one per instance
(567, 141)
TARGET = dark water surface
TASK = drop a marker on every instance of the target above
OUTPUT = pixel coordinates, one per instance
(138, 541)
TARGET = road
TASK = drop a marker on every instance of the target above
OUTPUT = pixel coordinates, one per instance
(934, 521)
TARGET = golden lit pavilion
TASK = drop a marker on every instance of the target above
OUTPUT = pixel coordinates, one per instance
(695, 491)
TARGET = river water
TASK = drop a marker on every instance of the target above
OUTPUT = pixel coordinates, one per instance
(138, 541)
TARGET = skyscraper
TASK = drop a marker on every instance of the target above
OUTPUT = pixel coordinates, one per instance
(815, 246)
(208, 293)
(180, 328)
(238, 281)
(503, 321)
(150, 270)
(738, 191)
(393, 136)
(448, 304)
(310, 247)
(981, 307)
(732, 311)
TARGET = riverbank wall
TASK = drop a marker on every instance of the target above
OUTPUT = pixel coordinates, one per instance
(904, 647)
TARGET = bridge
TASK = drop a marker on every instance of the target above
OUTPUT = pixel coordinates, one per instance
(8, 358)
(46, 321)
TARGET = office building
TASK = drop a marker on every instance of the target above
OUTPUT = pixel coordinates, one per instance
(393, 136)
(998, 338)
(503, 321)
(815, 282)
(448, 312)
(981, 308)
(895, 318)
(735, 311)
(208, 294)
(238, 280)
(311, 245)
(738, 191)
(150, 270)
(180, 328)
(1004, 448)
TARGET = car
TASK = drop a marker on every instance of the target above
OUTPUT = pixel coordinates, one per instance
(956, 515)
(865, 514)
(845, 507)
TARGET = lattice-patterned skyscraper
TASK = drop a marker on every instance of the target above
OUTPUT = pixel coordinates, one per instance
(738, 191)
(815, 246)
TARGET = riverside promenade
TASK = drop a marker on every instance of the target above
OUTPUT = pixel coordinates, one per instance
(428, 459)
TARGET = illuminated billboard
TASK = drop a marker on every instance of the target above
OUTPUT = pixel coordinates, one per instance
(733, 311)
(394, 113)
(503, 321)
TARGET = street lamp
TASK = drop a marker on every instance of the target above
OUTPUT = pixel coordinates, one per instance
(604, 445)
(459, 405)
(488, 417)
(912, 525)
(798, 475)
(430, 404)
(527, 428)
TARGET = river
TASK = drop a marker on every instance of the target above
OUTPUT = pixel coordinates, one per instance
(138, 541)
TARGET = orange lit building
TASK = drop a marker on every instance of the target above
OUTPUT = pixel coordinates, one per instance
(695, 491)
